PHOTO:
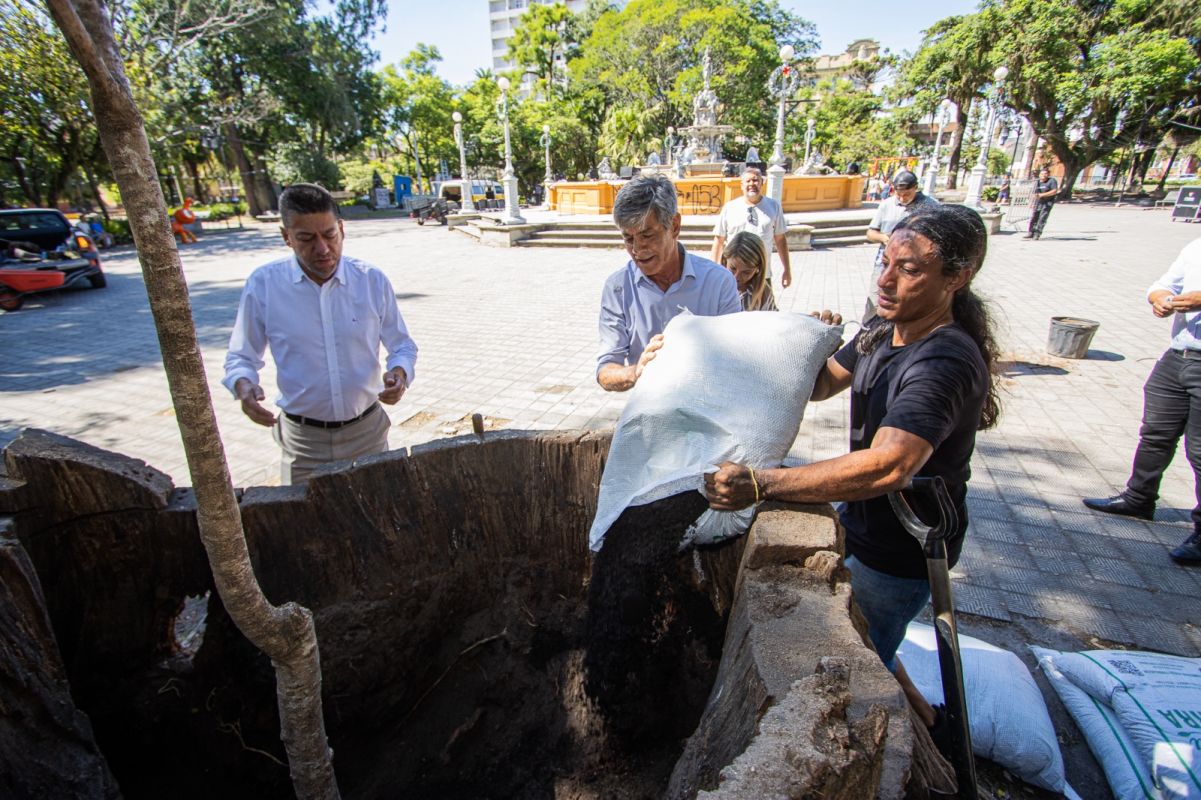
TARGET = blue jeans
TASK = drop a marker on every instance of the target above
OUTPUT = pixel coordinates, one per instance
(888, 604)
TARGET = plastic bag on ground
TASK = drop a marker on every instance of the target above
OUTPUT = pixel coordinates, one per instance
(729, 388)
(1006, 713)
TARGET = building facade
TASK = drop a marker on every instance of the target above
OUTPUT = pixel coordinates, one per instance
(503, 16)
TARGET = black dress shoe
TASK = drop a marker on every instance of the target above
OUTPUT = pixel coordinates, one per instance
(1118, 504)
(1189, 552)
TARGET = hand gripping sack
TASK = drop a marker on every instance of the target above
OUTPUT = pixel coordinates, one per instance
(729, 388)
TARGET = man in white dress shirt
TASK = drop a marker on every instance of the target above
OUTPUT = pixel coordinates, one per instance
(324, 317)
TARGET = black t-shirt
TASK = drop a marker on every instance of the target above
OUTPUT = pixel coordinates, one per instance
(934, 388)
(1046, 186)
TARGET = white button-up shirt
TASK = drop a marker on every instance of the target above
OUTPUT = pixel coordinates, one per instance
(1183, 276)
(325, 340)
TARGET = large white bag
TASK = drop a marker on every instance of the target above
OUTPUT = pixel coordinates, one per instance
(729, 388)
(1115, 752)
(1006, 713)
(1157, 699)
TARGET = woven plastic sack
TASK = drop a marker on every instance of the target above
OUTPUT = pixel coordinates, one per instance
(1008, 718)
(1157, 699)
(729, 388)
(1115, 752)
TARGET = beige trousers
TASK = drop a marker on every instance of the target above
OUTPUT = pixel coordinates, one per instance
(305, 447)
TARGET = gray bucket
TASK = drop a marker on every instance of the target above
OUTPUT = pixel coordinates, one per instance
(1070, 336)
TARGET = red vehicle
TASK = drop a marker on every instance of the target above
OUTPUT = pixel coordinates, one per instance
(40, 251)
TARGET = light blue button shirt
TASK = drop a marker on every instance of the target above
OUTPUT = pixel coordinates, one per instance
(1183, 276)
(634, 309)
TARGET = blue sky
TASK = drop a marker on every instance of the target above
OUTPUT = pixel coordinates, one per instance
(459, 28)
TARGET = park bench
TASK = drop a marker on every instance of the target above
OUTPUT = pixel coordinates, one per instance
(1169, 199)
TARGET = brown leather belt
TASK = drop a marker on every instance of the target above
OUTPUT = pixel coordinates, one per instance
(317, 423)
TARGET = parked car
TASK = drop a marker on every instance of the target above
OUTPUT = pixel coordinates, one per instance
(40, 251)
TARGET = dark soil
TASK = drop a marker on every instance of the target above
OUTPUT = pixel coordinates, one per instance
(528, 684)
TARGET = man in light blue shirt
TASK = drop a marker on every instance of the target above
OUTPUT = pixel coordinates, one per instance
(658, 282)
(1171, 403)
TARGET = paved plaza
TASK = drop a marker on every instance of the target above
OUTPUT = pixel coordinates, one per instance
(511, 334)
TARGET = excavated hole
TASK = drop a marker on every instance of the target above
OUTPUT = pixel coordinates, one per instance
(531, 672)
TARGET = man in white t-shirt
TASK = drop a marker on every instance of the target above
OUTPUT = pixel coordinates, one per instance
(761, 215)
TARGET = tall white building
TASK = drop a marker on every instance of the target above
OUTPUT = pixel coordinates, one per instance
(503, 16)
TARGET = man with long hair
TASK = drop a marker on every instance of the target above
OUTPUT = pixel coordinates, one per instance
(920, 378)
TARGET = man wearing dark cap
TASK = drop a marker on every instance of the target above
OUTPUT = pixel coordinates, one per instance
(906, 199)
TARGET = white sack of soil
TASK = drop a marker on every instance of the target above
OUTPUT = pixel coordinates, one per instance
(729, 388)
(1127, 774)
(1006, 713)
(1157, 700)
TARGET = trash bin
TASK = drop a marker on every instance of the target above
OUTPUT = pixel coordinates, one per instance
(1070, 336)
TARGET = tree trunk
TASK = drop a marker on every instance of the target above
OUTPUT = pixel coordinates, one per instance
(1071, 171)
(262, 180)
(94, 185)
(1164, 177)
(198, 191)
(254, 201)
(285, 633)
(28, 188)
(957, 144)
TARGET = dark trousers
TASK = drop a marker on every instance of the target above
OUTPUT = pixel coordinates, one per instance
(1171, 408)
(1038, 217)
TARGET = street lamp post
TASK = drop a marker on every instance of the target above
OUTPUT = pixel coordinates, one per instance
(468, 204)
(548, 176)
(512, 217)
(809, 132)
(781, 85)
(944, 117)
(975, 183)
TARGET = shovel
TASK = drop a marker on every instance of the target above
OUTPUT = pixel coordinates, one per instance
(933, 540)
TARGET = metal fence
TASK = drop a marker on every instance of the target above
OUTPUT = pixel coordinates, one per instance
(1018, 209)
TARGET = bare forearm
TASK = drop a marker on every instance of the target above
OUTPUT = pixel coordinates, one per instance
(876, 237)
(716, 250)
(616, 378)
(856, 476)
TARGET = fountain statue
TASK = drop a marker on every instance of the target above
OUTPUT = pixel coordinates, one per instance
(705, 134)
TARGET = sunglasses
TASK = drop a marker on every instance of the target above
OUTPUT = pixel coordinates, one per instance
(752, 218)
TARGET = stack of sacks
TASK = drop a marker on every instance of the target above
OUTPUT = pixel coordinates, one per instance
(1140, 714)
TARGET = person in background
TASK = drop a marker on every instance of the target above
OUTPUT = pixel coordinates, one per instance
(758, 213)
(1044, 201)
(1171, 403)
(746, 257)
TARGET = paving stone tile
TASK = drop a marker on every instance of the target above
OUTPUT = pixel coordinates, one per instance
(1022, 604)
(1168, 637)
(1113, 570)
(979, 601)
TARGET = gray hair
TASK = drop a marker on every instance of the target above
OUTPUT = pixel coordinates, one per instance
(643, 195)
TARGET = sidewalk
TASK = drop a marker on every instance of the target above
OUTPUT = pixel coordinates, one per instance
(511, 333)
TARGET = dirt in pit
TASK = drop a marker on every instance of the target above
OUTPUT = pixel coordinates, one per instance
(527, 686)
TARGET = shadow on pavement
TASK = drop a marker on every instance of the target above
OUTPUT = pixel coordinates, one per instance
(69, 337)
